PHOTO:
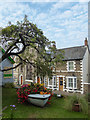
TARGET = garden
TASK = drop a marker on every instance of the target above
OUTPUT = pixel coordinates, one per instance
(18, 107)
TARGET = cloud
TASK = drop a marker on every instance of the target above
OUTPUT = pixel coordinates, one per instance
(63, 22)
(44, 1)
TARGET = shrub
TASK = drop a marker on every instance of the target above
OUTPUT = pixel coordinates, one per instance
(8, 85)
(87, 96)
(75, 99)
(26, 89)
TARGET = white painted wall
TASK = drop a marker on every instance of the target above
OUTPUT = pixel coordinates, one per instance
(88, 67)
(0, 72)
(89, 41)
(85, 67)
(89, 24)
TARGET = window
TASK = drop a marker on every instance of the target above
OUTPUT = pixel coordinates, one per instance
(71, 82)
(45, 81)
(74, 82)
(54, 80)
(48, 81)
(21, 68)
(30, 77)
(29, 72)
(70, 66)
(27, 68)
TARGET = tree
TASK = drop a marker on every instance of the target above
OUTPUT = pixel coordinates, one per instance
(19, 39)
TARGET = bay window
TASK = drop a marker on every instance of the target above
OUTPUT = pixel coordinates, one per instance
(71, 82)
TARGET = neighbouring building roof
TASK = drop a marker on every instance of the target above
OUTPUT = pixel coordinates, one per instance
(74, 53)
(3, 51)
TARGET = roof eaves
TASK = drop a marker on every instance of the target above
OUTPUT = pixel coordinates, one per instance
(70, 47)
(72, 59)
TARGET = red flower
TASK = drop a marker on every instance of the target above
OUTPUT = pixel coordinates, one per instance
(49, 98)
(48, 103)
(35, 91)
(17, 92)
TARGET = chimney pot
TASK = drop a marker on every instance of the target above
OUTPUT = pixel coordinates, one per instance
(86, 42)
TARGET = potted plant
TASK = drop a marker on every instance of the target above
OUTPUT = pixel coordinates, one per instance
(76, 106)
(76, 103)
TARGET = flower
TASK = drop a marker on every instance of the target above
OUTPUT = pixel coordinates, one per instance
(48, 102)
(13, 106)
(25, 90)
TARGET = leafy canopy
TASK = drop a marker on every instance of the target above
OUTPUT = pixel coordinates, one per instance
(29, 45)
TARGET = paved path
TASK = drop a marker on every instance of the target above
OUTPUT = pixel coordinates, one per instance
(65, 93)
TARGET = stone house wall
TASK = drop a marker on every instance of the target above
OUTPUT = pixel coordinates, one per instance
(86, 89)
(61, 70)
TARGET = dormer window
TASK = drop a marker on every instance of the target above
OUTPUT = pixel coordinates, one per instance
(70, 66)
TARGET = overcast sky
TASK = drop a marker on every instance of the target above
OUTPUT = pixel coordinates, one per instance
(63, 22)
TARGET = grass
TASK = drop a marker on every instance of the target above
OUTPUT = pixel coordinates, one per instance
(54, 110)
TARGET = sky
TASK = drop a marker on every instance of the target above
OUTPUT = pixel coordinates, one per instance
(66, 23)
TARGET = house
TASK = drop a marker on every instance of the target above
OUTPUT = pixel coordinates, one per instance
(72, 76)
(6, 76)
(25, 74)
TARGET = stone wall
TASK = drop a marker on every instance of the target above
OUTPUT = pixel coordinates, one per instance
(85, 88)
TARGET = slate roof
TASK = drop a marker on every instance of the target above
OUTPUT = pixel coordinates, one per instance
(74, 53)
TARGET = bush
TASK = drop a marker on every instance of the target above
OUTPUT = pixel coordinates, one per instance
(8, 85)
(83, 105)
(75, 99)
(87, 96)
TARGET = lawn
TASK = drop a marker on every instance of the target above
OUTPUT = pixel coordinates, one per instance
(54, 110)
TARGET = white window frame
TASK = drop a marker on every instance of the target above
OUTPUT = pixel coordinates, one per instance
(68, 66)
(54, 78)
(20, 79)
(73, 82)
(45, 81)
(48, 81)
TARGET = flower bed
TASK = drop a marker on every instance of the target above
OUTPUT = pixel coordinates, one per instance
(26, 89)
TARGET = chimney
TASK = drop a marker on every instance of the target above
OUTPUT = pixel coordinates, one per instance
(86, 42)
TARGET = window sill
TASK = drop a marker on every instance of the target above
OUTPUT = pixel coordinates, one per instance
(71, 88)
(71, 70)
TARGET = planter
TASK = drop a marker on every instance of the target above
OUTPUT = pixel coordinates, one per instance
(76, 107)
(38, 99)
